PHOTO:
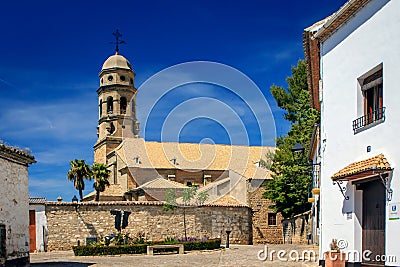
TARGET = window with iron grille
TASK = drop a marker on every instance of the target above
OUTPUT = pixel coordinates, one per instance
(372, 92)
(271, 219)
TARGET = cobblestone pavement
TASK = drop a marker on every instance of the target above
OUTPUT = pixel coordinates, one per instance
(234, 256)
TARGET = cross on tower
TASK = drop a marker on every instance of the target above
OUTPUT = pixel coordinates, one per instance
(117, 42)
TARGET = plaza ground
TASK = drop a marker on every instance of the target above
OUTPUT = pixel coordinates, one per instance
(236, 255)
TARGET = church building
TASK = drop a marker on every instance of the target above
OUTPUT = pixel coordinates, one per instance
(144, 171)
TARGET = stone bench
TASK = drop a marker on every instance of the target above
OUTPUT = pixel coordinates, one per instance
(150, 249)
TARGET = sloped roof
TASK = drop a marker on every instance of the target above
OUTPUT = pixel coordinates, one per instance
(37, 200)
(191, 156)
(340, 17)
(354, 169)
(161, 183)
(226, 201)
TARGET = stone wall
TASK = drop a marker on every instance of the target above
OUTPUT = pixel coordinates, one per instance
(295, 229)
(14, 218)
(68, 222)
(262, 231)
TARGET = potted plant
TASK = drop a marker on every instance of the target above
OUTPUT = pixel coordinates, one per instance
(334, 257)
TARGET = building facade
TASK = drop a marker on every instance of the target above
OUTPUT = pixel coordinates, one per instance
(37, 224)
(14, 216)
(355, 83)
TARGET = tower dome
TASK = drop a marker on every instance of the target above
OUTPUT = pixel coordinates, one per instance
(116, 61)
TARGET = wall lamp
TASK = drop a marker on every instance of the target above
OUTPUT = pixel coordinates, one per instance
(297, 149)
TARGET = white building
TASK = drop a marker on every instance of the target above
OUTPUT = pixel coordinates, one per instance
(353, 65)
(37, 224)
(14, 235)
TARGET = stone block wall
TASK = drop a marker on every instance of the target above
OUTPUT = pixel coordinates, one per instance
(68, 222)
(263, 232)
(295, 229)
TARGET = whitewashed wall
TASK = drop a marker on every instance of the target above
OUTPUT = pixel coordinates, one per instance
(14, 208)
(41, 225)
(367, 40)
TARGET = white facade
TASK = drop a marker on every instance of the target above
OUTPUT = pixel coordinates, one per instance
(14, 235)
(368, 40)
(38, 205)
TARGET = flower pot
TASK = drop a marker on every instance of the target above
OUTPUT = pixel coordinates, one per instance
(311, 199)
(335, 259)
(315, 191)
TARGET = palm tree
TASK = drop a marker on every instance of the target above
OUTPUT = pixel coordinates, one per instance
(78, 172)
(100, 173)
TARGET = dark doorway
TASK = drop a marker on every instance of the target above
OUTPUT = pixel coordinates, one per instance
(373, 220)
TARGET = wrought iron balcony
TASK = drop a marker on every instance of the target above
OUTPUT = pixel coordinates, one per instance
(370, 118)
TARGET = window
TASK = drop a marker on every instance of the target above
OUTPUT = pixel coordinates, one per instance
(122, 105)
(110, 78)
(122, 77)
(109, 104)
(100, 108)
(271, 219)
(372, 99)
(2, 241)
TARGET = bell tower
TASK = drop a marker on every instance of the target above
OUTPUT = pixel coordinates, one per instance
(117, 106)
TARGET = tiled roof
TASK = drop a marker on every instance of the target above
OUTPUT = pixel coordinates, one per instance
(187, 156)
(226, 201)
(161, 183)
(16, 155)
(378, 162)
(37, 200)
(340, 17)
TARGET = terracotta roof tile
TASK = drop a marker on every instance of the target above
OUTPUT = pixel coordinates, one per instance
(161, 183)
(378, 162)
(191, 156)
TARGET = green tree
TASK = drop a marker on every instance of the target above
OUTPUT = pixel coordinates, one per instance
(100, 173)
(291, 173)
(188, 194)
(78, 172)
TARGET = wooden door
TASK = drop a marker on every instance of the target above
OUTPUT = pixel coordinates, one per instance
(373, 222)
(32, 231)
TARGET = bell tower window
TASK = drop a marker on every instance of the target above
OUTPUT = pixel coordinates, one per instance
(122, 105)
(100, 108)
(110, 104)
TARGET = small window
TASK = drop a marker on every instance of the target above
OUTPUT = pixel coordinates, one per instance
(373, 97)
(122, 105)
(122, 77)
(100, 108)
(110, 78)
(101, 81)
(372, 109)
(271, 219)
(110, 104)
(131, 81)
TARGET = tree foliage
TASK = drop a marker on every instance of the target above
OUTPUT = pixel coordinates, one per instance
(291, 176)
(77, 173)
(100, 173)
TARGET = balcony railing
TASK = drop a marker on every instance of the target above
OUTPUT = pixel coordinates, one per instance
(374, 116)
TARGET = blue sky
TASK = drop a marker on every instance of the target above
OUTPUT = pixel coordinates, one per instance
(52, 51)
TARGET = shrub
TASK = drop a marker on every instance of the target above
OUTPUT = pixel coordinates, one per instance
(109, 250)
(202, 245)
(142, 248)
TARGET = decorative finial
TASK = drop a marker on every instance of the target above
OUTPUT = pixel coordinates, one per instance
(117, 42)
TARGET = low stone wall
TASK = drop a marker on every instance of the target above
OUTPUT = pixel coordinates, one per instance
(68, 222)
(295, 229)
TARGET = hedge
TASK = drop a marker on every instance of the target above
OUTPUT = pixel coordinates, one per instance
(142, 248)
